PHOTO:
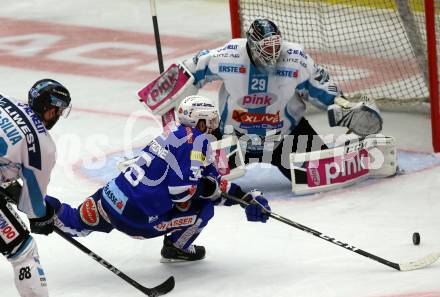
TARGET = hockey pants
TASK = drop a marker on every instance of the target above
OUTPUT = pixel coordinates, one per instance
(94, 215)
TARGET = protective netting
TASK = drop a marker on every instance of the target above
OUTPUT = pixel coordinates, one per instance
(371, 47)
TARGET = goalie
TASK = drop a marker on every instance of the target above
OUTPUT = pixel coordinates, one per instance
(265, 84)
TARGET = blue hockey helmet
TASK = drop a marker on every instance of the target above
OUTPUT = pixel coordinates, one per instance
(47, 93)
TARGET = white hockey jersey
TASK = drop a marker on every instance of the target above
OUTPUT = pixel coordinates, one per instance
(259, 103)
(27, 151)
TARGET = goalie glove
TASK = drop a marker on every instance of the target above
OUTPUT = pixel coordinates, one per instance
(363, 118)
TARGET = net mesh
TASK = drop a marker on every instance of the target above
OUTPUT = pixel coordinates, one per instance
(371, 47)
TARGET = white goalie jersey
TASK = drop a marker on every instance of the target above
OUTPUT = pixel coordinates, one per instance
(259, 103)
(27, 152)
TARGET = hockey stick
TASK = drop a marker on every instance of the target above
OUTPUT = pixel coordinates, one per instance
(156, 34)
(161, 289)
(417, 264)
(169, 115)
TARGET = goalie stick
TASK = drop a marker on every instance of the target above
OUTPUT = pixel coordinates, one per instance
(406, 266)
(169, 116)
(159, 290)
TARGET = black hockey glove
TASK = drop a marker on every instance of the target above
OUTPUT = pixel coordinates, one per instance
(43, 225)
(11, 191)
(209, 188)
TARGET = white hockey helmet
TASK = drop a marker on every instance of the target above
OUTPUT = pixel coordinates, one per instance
(195, 108)
(264, 40)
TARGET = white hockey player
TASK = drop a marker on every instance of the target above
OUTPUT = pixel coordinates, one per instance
(27, 153)
(265, 84)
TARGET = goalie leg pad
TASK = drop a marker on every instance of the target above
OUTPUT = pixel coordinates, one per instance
(341, 166)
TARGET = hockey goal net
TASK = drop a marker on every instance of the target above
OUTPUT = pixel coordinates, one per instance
(385, 49)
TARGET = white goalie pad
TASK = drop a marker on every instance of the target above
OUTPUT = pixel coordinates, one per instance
(222, 150)
(166, 91)
(341, 166)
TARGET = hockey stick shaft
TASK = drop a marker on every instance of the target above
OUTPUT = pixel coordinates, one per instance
(163, 288)
(169, 115)
(156, 34)
(423, 262)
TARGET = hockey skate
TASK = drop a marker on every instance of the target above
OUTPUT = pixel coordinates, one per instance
(170, 253)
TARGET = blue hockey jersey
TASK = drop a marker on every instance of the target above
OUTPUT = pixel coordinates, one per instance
(167, 172)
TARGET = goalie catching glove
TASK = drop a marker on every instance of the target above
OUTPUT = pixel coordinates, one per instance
(363, 118)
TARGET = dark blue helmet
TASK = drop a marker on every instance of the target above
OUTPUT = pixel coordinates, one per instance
(47, 93)
(264, 40)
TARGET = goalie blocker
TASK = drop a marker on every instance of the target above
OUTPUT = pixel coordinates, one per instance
(357, 160)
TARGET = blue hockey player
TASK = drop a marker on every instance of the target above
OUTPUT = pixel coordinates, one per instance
(169, 191)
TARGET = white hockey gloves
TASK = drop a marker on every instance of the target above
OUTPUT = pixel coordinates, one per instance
(363, 118)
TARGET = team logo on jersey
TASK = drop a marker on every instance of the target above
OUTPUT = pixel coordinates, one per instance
(291, 51)
(200, 54)
(286, 72)
(257, 100)
(151, 219)
(221, 55)
(7, 231)
(26, 128)
(89, 212)
(114, 197)
(232, 68)
(177, 222)
(228, 47)
(226, 55)
(257, 120)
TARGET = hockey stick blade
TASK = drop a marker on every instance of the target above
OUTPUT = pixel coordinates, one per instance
(420, 263)
(161, 289)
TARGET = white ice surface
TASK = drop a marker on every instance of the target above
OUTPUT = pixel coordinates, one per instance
(243, 259)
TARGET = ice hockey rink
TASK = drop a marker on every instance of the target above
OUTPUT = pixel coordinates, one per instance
(104, 52)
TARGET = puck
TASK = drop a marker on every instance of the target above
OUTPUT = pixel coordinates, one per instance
(416, 238)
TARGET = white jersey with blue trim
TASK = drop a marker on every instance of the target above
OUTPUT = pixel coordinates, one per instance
(27, 151)
(257, 102)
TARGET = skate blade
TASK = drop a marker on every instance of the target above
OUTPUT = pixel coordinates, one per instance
(167, 260)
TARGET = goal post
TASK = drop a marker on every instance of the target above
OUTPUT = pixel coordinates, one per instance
(430, 16)
(385, 49)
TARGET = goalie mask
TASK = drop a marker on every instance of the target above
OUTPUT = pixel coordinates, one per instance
(195, 108)
(264, 40)
(47, 93)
